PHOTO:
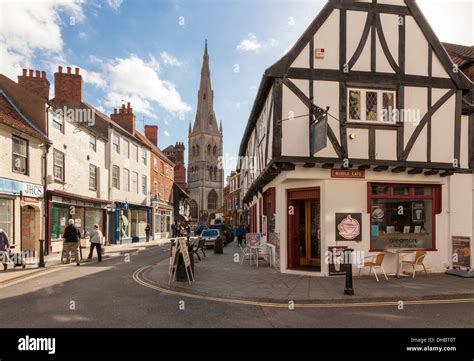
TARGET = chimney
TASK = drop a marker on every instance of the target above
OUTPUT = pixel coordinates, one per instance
(38, 84)
(125, 118)
(151, 132)
(68, 87)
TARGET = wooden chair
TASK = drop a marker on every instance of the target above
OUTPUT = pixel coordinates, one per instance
(377, 263)
(199, 247)
(418, 261)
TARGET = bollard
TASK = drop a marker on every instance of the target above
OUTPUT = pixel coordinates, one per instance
(41, 254)
(348, 290)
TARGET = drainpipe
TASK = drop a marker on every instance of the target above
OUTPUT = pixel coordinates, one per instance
(45, 186)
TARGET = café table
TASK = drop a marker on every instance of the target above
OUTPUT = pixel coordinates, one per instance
(397, 252)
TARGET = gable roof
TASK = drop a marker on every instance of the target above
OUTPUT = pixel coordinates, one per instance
(12, 117)
(460, 54)
(153, 147)
(280, 68)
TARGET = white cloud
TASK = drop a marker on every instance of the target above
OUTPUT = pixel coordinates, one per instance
(138, 81)
(93, 77)
(169, 59)
(251, 43)
(115, 4)
(166, 133)
(82, 35)
(32, 28)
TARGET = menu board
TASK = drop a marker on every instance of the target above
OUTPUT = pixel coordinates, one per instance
(461, 252)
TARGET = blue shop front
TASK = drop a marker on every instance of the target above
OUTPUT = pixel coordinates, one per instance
(127, 222)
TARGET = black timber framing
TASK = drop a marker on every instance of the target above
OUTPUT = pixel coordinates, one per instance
(371, 7)
(423, 122)
(471, 139)
(369, 78)
(374, 162)
(372, 143)
(277, 118)
(401, 43)
(363, 40)
(457, 128)
(373, 48)
(401, 126)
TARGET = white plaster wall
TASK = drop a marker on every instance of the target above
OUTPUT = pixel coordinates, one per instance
(438, 69)
(326, 94)
(358, 148)
(390, 28)
(416, 49)
(302, 60)
(442, 132)
(464, 161)
(133, 166)
(386, 144)
(355, 26)
(74, 143)
(391, 2)
(295, 139)
(461, 210)
(416, 99)
(327, 37)
(419, 152)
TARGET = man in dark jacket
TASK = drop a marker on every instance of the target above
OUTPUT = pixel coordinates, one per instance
(72, 236)
(4, 248)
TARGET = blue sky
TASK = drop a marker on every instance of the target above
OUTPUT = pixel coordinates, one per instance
(150, 52)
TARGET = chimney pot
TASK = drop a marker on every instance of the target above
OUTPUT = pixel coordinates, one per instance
(128, 105)
(43, 74)
(38, 74)
(60, 69)
(77, 71)
(31, 72)
(115, 110)
(69, 70)
(25, 72)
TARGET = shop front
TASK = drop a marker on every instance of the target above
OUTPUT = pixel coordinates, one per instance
(162, 221)
(127, 222)
(21, 213)
(84, 211)
(307, 218)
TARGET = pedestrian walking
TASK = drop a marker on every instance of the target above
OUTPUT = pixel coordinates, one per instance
(72, 236)
(240, 232)
(97, 241)
(4, 248)
(147, 232)
(174, 229)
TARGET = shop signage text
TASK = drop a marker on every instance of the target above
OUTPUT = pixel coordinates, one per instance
(347, 173)
(26, 189)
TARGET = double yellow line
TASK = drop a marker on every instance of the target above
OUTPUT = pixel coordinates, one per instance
(137, 277)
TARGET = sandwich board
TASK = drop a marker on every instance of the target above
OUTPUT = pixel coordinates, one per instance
(180, 248)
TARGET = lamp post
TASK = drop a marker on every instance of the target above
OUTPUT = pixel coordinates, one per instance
(348, 290)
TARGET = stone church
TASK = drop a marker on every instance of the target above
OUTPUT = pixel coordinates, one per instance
(205, 177)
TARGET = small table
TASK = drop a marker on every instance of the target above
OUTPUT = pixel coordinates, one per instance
(398, 251)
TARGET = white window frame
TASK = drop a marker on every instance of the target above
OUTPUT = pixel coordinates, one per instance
(93, 142)
(116, 143)
(126, 146)
(135, 182)
(144, 184)
(126, 180)
(93, 171)
(63, 166)
(116, 177)
(363, 105)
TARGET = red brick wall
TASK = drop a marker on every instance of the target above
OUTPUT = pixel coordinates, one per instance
(125, 118)
(68, 87)
(37, 84)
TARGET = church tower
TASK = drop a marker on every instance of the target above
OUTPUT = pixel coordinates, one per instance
(205, 177)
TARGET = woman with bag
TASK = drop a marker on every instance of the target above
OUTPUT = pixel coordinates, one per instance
(96, 240)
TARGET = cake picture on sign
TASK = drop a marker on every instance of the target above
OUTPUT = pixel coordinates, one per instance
(348, 227)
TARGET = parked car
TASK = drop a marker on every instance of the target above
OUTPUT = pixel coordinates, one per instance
(211, 235)
(226, 231)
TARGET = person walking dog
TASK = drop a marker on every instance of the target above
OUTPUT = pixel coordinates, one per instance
(97, 241)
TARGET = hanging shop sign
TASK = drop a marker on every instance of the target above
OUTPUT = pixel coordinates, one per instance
(349, 227)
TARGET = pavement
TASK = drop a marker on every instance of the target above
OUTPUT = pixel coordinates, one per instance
(219, 277)
(14, 275)
(107, 295)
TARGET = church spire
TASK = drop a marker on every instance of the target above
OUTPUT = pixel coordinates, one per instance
(220, 127)
(205, 116)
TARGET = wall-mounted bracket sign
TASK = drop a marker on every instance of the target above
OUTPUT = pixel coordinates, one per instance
(347, 173)
(349, 227)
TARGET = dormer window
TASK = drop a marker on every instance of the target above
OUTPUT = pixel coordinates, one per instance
(370, 105)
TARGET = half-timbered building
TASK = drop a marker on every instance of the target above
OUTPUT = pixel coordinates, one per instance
(355, 139)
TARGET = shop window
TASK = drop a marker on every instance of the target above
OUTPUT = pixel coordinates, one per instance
(6, 217)
(116, 177)
(93, 216)
(403, 216)
(58, 165)
(59, 217)
(20, 155)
